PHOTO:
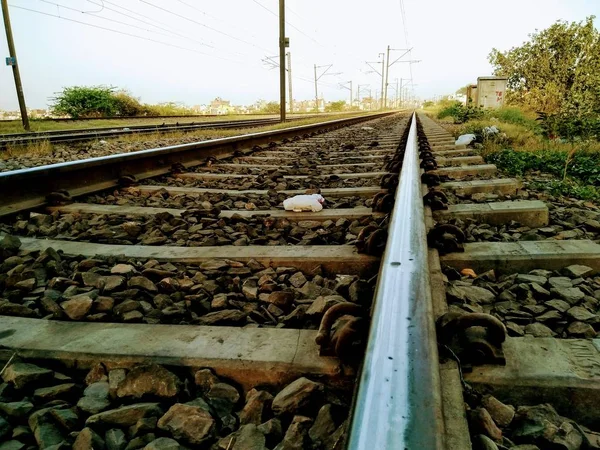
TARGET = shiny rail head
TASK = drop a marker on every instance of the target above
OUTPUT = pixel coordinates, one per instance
(398, 403)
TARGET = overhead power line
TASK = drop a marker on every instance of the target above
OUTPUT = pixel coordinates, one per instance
(203, 25)
(164, 27)
(287, 23)
(124, 33)
(112, 20)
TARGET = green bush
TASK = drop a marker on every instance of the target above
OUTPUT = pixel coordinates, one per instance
(461, 113)
(126, 105)
(570, 126)
(169, 109)
(85, 101)
(582, 165)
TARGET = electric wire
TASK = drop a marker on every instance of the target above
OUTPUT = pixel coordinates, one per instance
(145, 22)
(110, 20)
(125, 33)
(204, 25)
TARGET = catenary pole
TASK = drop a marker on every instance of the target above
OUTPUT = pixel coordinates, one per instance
(13, 61)
(291, 99)
(282, 45)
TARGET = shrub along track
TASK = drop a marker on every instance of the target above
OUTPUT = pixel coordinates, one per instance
(163, 314)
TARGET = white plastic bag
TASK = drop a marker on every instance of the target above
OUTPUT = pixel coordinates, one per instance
(465, 139)
(491, 130)
(313, 202)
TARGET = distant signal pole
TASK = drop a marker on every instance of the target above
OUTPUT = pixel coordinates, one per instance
(289, 68)
(12, 61)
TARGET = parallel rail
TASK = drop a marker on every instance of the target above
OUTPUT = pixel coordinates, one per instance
(82, 135)
(94, 174)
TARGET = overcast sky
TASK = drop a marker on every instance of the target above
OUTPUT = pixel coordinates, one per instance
(215, 47)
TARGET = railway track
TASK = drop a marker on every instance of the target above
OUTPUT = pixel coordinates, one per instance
(174, 302)
(82, 135)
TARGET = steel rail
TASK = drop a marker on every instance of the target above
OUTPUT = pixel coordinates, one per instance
(85, 135)
(162, 125)
(398, 403)
(27, 188)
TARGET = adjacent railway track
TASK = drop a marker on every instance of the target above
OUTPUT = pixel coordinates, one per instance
(165, 298)
(87, 134)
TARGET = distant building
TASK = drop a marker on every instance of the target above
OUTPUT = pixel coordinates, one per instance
(219, 106)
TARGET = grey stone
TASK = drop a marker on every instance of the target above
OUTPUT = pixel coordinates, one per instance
(77, 307)
(224, 317)
(323, 426)
(188, 423)
(501, 413)
(163, 443)
(22, 374)
(581, 330)
(12, 445)
(5, 428)
(528, 278)
(140, 441)
(249, 437)
(559, 305)
(322, 304)
(549, 316)
(580, 313)
(223, 397)
(54, 392)
(11, 243)
(470, 294)
(115, 439)
(142, 283)
(296, 436)
(125, 416)
(16, 410)
(560, 282)
(571, 295)
(539, 292)
(538, 330)
(281, 299)
(272, 430)
(256, 402)
(577, 271)
(87, 439)
(296, 396)
(149, 379)
(297, 280)
(66, 418)
(485, 443)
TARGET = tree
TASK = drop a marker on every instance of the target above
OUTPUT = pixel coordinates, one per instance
(128, 105)
(556, 71)
(462, 90)
(270, 108)
(85, 101)
(335, 106)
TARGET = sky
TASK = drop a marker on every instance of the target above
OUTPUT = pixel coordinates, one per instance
(192, 51)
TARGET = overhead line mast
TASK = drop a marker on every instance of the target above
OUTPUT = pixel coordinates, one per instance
(12, 61)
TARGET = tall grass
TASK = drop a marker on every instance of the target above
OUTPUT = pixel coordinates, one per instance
(40, 148)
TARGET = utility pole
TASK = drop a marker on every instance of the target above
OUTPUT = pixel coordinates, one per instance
(387, 71)
(289, 61)
(381, 74)
(317, 78)
(343, 85)
(283, 43)
(382, 64)
(12, 61)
